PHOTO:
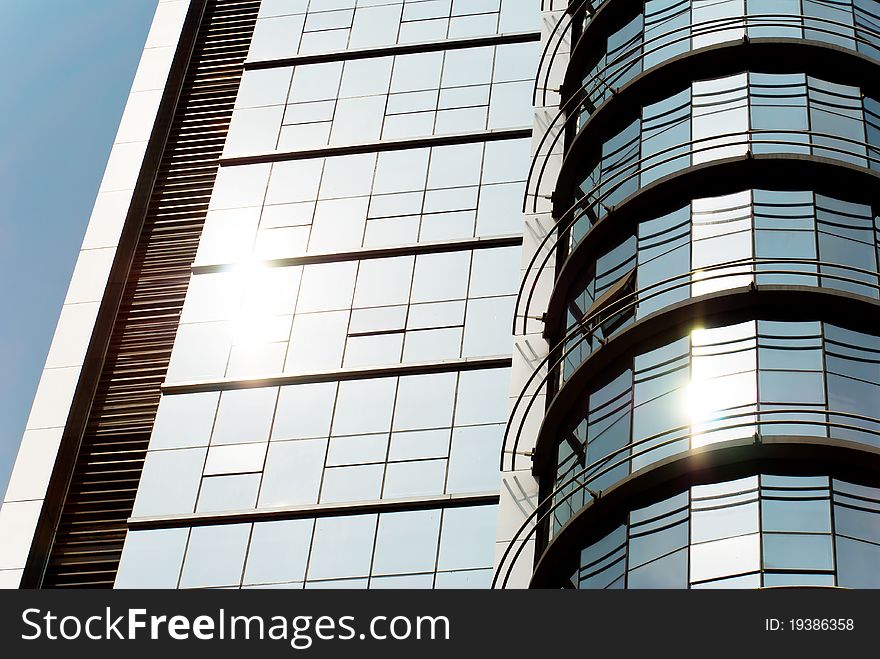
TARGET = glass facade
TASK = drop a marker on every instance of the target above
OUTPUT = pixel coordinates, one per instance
(715, 384)
(762, 237)
(689, 400)
(708, 403)
(710, 120)
(335, 400)
(653, 32)
(760, 531)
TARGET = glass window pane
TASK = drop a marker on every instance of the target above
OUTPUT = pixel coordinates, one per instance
(316, 82)
(359, 483)
(720, 118)
(215, 556)
(771, 580)
(417, 72)
(244, 415)
(364, 406)
(432, 345)
(224, 493)
(240, 186)
(383, 282)
(348, 176)
(487, 326)
(169, 482)
(441, 276)
(796, 515)
(184, 420)
(263, 87)
(436, 314)
(657, 530)
(401, 171)
(721, 558)
(235, 459)
(454, 166)
(407, 542)
(471, 66)
(366, 77)
(357, 449)
(374, 350)
(857, 563)
(482, 396)
(414, 479)
(344, 584)
(151, 559)
(467, 537)
(419, 444)
(667, 572)
(338, 225)
(342, 547)
(292, 181)
(293, 473)
(276, 36)
(200, 352)
(304, 410)
(473, 459)
(724, 522)
(425, 401)
(278, 551)
(495, 272)
(317, 341)
(795, 551)
(506, 161)
(327, 286)
(860, 524)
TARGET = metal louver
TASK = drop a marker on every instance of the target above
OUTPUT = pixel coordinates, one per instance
(100, 495)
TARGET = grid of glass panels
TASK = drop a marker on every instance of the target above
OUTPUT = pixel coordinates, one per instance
(765, 236)
(658, 30)
(726, 117)
(716, 384)
(761, 531)
(286, 28)
(290, 208)
(437, 548)
(383, 98)
(404, 309)
(394, 437)
(371, 273)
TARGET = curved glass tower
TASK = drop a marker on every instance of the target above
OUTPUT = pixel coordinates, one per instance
(705, 412)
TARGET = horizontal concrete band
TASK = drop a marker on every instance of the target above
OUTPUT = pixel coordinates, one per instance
(315, 510)
(466, 364)
(396, 49)
(511, 240)
(380, 146)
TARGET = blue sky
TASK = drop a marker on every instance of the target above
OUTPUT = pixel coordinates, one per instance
(68, 67)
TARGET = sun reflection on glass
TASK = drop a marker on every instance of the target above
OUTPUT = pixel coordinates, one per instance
(722, 393)
(251, 323)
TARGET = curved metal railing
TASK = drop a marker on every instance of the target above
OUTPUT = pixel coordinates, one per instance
(585, 329)
(582, 480)
(584, 7)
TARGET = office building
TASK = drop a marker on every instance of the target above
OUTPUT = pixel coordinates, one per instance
(472, 293)
(707, 415)
(284, 357)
